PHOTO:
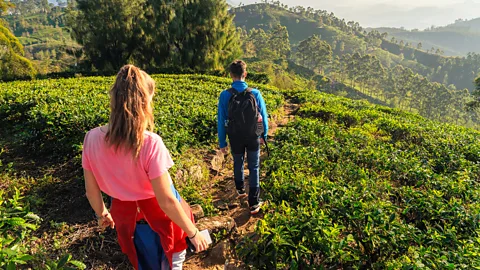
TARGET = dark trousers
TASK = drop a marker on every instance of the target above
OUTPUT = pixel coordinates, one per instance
(239, 147)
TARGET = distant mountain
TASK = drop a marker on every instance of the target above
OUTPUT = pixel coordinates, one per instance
(410, 14)
(349, 38)
(472, 26)
(232, 3)
(457, 39)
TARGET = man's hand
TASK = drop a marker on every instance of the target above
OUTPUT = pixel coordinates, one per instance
(224, 150)
(262, 140)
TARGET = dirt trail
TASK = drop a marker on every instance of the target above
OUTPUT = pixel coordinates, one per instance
(69, 223)
(222, 256)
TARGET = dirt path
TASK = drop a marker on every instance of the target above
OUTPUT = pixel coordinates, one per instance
(223, 255)
(57, 194)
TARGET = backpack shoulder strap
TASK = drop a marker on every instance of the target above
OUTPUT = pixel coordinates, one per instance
(249, 89)
(232, 91)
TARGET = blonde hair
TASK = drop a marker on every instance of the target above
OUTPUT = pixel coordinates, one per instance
(131, 111)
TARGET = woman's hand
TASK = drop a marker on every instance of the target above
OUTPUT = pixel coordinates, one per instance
(94, 196)
(199, 242)
(174, 210)
(106, 221)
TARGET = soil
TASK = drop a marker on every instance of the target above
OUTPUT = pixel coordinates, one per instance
(68, 223)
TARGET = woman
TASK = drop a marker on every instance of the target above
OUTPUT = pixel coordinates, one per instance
(129, 163)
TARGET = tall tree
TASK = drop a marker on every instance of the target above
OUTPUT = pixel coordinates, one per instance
(203, 34)
(269, 45)
(13, 64)
(314, 53)
(194, 34)
(109, 30)
(475, 104)
(4, 6)
(280, 41)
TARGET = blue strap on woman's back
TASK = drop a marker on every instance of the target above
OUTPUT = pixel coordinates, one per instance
(147, 243)
(149, 249)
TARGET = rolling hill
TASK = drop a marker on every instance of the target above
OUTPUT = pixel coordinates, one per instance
(45, 37)
(457, 39)
(349, 37)
(349, 185)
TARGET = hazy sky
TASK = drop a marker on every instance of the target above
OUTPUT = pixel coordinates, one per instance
(408, 13)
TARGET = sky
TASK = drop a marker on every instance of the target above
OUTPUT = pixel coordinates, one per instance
(410, 14)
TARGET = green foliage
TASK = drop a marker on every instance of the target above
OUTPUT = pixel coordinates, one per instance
(314, 53)
(356, 186)
(4, 5)
(12, 63)
(198, 35)
(204, 35)
(65, 263)
(53, 115)
(16, 226)
(475, 104)
(108, 30)
(400, 87)
(461, 71)
(350, 38)
(269, 45)
(40, 28)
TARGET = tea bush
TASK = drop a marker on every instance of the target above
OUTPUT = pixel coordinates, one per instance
(357, 186)
(52, 116)
(49, 118)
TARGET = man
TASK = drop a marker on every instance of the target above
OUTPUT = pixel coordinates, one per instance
(242, 114)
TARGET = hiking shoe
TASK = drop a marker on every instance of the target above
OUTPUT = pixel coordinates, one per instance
(256, 208)
(241, 193)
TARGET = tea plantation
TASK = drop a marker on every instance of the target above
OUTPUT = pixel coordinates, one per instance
(356, 186)
(349, 185)
(46, 120)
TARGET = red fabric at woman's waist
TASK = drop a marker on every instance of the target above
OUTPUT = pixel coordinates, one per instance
(127, 213)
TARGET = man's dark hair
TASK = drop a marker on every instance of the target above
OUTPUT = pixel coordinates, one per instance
(238, 68)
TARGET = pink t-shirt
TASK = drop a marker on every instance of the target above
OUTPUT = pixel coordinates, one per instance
(117, 173)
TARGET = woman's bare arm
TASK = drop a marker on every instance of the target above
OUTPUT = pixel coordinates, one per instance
(174, 210)
(94, 195)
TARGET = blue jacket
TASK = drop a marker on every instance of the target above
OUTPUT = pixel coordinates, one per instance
(225, 96)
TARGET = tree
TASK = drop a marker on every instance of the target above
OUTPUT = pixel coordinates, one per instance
(109, 30)
(342, 46)
(475, 104)
(4, 6)
(314, 53)
(280, 41)
(204, 35)
(194, 34)
(419, 46)
(269, 45)
(13, 64)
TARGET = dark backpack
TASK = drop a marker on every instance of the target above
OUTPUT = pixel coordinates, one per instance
(243, 115)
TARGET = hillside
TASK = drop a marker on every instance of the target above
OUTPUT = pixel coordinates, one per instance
(472, 26)
(299, 26)
(356, 186)
(50, 118)
(455, 40)
(370, 186)
(45, 37)
(349, 37)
